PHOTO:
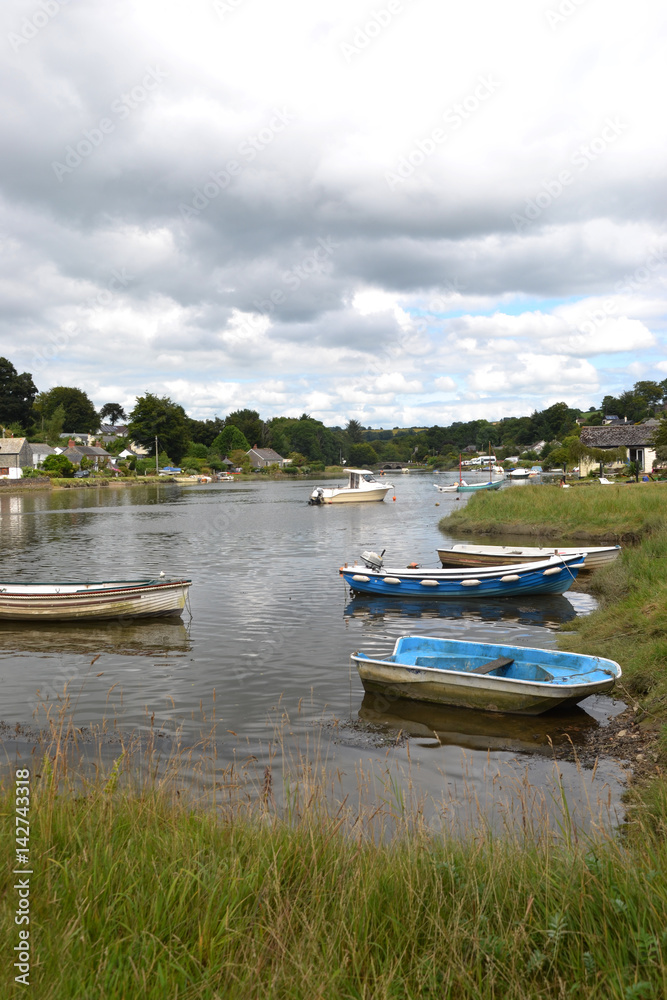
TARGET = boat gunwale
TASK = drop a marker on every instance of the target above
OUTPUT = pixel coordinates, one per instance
(135, 589)
(474, 572)
(499, 650)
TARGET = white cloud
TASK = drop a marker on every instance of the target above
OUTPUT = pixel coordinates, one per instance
(363, 290)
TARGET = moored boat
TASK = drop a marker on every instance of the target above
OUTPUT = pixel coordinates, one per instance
(361, 485)
(93, 600)
(548, 576)
(495, 555)
(487, 676)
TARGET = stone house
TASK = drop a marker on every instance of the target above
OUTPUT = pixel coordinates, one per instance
(40, 452)
(96, 456)
(15, 455)
(635, 438)
(261, 458)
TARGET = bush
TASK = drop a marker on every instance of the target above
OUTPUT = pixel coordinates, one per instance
(59, 465)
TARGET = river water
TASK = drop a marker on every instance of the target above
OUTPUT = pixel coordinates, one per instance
(271, 630)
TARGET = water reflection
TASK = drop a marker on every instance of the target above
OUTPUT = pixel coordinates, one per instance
(477, 730)
(548, 611)
(160, 636)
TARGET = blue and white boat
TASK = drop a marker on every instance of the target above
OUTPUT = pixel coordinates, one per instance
(485, 676)
(548, 576)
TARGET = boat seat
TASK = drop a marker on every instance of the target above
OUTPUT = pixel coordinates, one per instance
(486, 668)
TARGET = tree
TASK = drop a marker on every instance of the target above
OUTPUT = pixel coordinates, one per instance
(114, 411)
(249, 424)
(230, 439)
(17, 393)
(354, 431)
(54, 426)
(80, 414)
(205, 431)
(362, 455)
(158, 416)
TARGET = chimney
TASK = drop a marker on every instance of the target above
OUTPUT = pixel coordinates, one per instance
(254, 447)
(71, 443)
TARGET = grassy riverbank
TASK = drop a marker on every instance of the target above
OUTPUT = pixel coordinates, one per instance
(135, 894)
(630, 625)
(592, 512)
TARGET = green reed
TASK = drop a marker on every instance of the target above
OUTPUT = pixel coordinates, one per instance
(590, 511)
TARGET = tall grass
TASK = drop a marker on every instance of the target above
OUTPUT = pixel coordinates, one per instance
(630, 625)
(604, 513)
(138, 894)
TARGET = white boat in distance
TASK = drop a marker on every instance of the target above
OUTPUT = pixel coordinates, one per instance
(361, 485)
(496, 555)
(93, 600)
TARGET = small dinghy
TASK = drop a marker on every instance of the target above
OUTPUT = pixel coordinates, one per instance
(93, 600)
(486, 676)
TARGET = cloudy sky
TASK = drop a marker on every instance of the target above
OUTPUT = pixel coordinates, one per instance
(406, 211)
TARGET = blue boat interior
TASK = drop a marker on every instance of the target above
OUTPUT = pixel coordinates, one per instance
(524, 665)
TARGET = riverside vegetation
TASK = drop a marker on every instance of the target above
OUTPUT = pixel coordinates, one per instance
(142, 891)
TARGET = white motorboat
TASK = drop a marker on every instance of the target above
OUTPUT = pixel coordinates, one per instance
(361, 485)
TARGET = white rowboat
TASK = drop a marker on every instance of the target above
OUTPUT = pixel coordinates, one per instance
(93, 600)
(496, 555)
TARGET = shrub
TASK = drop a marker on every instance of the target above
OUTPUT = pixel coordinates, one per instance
(58, 464)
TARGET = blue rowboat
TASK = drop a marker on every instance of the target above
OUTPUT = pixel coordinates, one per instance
(485, 675)
(548, 576)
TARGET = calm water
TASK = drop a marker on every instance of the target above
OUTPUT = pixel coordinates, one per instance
(272, 629)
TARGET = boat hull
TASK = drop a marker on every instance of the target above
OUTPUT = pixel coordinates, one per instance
(490, 555)
(480, 487)
(406, 674)
(552, 576)
(93, 601)
(354, 496)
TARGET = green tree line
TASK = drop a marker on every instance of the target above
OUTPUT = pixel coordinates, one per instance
(45, 415)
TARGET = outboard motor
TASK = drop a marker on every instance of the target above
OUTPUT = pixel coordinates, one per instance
(373, 560)
(316, 496)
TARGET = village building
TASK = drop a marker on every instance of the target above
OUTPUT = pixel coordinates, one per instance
(40, 451)
(637, 439)
(15, 455)
(97, 457)
(261, 458)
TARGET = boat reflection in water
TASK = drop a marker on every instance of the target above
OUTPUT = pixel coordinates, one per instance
(547, 610)
(125, 637)
(442, 725)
